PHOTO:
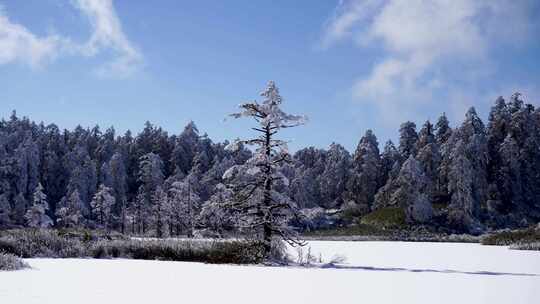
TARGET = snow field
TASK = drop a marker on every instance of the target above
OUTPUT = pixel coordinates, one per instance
(375, 272)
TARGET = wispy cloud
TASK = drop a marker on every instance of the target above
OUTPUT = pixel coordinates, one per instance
(425, 45)
(345, 18)
(19, 44)
(108, 34)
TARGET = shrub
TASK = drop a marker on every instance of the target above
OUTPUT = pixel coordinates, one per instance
(32, 243)
(86, 235)
(223, 252)
(315, 219)
(10, 262)
(29, 243)
(511, 237)
(526, 246)
(239, 252)
(356, 229)
(386, 218)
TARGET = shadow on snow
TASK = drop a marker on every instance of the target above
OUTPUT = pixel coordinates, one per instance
(449, 271)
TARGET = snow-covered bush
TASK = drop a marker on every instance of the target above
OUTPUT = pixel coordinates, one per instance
(315, 219)
(421, 210)
(217, 252)
(11, 262)
(511, 237)
(527, 246)
(41, 243)
(305, 257)
(390, 217)
(76, 244)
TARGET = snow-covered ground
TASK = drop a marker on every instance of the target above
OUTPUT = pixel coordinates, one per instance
(375, 272)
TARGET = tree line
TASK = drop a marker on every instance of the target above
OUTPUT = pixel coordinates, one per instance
(468, 178)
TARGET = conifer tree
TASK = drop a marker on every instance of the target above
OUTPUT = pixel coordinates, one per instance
(36, 216)
(69, 214)
(213, 215)
(160, 212)
(407, 139)
(185, 205)
(410, 192)
(333, 180)
(261, 208)
(390, 157)
(429, 158)
(442, 130)
(364, 176)
(5, 211)
(509, 175)
(102, 204)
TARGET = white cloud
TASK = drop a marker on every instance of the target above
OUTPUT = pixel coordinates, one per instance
(346, 15)
(425, 45)
(19, 44)
(108, 34)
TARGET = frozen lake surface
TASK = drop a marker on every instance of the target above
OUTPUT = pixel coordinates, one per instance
(375, 272)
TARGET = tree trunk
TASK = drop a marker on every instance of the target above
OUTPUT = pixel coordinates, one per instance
(190, 212)
(123, 221)
(159, 231)
(267, 229)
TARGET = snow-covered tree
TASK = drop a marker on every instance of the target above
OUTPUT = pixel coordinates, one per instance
(472, 131)
(515, 103)
(464, 170)
(5, 211)
(304, 188)
(390, 157)
(160, 212)
(54, 175)
(364, 176)
(139, 211)
(105, 146)
(497, 130)
(409, 193)
(429, 158)
(333, 180)
(151, 177)
(185, 205)
(119, 186)
(102, 205)
(463, 208)
(185, 148)
(28, 163)
(498, 125)
(305, 184)
(407, 139)
(425, 136)
(442, 129)
(509, 175)
(18, 211)
(68, 213)
(213, 177)
(83, 176)
(214, 215)
(36, 216)
(262, 209)
(525, 130)
(194, 179)
(151, 172)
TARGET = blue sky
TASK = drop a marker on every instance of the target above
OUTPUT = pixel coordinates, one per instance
(348, 65)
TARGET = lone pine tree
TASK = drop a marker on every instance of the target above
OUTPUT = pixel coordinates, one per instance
(260, 206)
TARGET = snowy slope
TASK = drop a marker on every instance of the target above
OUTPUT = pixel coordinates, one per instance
(377, 272)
